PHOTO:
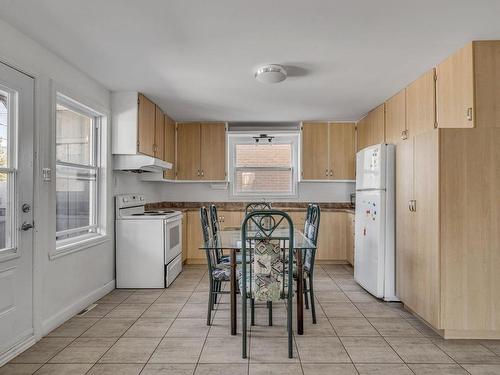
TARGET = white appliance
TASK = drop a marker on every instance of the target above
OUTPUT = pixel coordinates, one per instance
(374, 255)
(148, 244)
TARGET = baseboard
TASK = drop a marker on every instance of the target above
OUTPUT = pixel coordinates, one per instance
(328, 261)
(56, 320)
(195, 261)
(471, 334)
(16, 350)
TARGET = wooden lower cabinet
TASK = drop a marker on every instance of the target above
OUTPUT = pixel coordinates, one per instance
(194, 239)
(350, 238)
(447, 245)
(332, 237)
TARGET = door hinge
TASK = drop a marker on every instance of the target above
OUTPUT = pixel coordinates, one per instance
(46, 174)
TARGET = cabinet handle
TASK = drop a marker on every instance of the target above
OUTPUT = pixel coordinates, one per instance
(469, 114)
(412, 205)
(202, 173)
(331, 172)
(198, 173)
(326, 172)
(404, 135)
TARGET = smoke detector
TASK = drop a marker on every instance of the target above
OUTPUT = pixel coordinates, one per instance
(270, 73)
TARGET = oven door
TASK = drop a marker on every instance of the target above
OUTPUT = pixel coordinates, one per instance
(173, 238)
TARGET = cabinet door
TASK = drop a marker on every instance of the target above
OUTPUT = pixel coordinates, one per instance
(350, 238)
(146, 126)
(342, 152)
(421, 104)
(371, 129)
(159, 134)
(406, 260)
(169, 147)
(332, 236)
(315, 151)
(188, 151)
(455, 90)
(395, 118)
(194, 239)
(362, 133)
(426, 283)
(230, 219)
(213, 151)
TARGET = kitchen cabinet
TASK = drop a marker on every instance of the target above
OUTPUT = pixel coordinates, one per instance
(467, 87)
(159, 147)
(230, 219)
(146, 126)
(350, 238)
(328, 151)
(201, 151)
(169, 145)
(194, 239)
(371, 128)
(332, 237)
(421, 104)
(395, 118)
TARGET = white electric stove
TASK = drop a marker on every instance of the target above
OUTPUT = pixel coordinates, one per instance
(148, 244)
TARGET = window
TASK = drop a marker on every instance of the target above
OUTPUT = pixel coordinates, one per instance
(77, 171)
(263, 168)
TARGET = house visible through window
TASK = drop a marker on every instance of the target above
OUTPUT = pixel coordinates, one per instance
(77, 171)
(267, 168)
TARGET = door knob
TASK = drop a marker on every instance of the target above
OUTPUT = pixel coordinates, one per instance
(26, 226)
(25, 208)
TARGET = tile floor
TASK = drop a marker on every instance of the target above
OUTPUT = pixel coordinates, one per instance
(149, 332)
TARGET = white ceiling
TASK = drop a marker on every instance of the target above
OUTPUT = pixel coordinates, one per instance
(196, 58)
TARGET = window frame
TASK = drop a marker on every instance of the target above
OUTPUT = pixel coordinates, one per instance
(68, 245)
(291, 138)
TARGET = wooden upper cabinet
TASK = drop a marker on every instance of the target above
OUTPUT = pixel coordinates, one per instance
(342, 151)
(213, 151)
(159, 134)
(315, 151)
(169, 147)
(371, 129)
(395, 118)
(146, 126)
(421, 104)
(188, 151)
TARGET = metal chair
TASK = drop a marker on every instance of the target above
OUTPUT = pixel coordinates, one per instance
(268, 277)
(257, 206)
(217, 272)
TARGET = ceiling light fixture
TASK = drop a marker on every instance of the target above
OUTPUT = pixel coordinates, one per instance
(270, 73)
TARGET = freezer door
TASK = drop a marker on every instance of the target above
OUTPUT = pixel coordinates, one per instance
(369, 254)
(370, 167)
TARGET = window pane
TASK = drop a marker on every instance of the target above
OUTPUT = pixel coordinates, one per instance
(4, 118)
(277, 155)
(75, 192)
(5, 211)
(73, 136)
(263, 181)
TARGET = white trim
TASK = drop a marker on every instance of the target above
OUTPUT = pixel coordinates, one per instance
(57, 319)
(84, 242)
(17, 349)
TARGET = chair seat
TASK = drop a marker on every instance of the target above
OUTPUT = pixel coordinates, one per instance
(221, 272)
(227, 259)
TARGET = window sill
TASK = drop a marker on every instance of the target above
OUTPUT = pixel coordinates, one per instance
(82, 244)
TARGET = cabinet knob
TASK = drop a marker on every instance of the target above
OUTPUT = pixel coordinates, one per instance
(202, 173)
(404, 135)
(198, 173)
(469, 114)
(331, 172)
(326, 172)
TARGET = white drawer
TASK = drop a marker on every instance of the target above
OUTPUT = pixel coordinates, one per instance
(173, 269)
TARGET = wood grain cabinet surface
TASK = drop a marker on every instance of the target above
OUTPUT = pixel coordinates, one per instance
(159, 146)
(146, 126)
(395, 118)
(371, 128)
(169, 145)
(421, 104)
(188, 151)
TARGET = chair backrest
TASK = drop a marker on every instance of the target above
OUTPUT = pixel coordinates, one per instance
(257, 206)
(268, 236)
(311, 231)
(205, 230)
(214, 219)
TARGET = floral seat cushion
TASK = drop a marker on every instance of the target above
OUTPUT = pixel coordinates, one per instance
(221, 272)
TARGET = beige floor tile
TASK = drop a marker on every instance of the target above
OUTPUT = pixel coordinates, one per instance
(321, 328)
(383, 369)
(353, 327)
(200, 297)
(84, 350)
(221, 369)
(321, 285)
(128, 311)
(360, 297)
(131, 350)
(109, 327)
(101, 310)
(482, 369)
(116, 296)
(115, 369)
(194, 310)
(222, 350)
(270, 350)
(330, 368)
(493, 345)
(178, 350)
(377, 310)
(467, 351)
(262, 329)
(321, 350)
(418, 350)
(43, 350)
(394, 327)
(170, 369)
(330, 296)
(144, 297)
(163, 310)
(222, 328)
(184, 285)
(177, 297)
(73, 327)
(188, 328)
(437, 369)
(423, 328)
(340, 310)
(369, 350)
(275, 369)
(19, 369)
(149, 327)
(63, 369)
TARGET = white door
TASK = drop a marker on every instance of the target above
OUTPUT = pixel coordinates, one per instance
(369, 254)
(16, 213)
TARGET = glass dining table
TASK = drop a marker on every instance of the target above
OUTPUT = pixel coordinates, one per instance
(230, 239)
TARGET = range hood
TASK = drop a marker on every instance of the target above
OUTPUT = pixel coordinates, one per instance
(140, 163)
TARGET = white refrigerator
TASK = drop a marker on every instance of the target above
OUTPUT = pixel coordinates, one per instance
(374, 247)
